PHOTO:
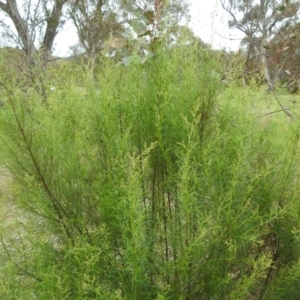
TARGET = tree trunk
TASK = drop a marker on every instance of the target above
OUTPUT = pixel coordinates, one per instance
(52, 26)
(25, 33)
(261, 55)
(11, 8)
(37, 59)
(268, 77)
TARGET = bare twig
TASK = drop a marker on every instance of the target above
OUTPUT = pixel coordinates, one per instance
(286, 111)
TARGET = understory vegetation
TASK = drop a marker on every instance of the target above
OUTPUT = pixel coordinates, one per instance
(153, 181)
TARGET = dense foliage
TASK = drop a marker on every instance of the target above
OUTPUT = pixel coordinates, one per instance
(149, 183)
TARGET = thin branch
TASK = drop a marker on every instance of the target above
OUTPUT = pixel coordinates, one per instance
(286, 111)
(269, 113)
(22, 270)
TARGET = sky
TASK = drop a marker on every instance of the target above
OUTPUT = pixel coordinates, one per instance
(208, 20)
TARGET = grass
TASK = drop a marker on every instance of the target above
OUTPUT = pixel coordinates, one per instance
(151, 183)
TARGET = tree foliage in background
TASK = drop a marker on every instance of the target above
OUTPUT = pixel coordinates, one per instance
(260, 21)
(152, 22)
(132, 28)
(96, 22)
(284, 52)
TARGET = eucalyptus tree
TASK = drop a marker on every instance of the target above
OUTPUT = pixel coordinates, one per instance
(260, 20)
(154, 20)
(284, 48)
(34, 26)
(127, 26)
(96, 22)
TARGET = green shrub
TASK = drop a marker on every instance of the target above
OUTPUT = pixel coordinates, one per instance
(147, 185)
